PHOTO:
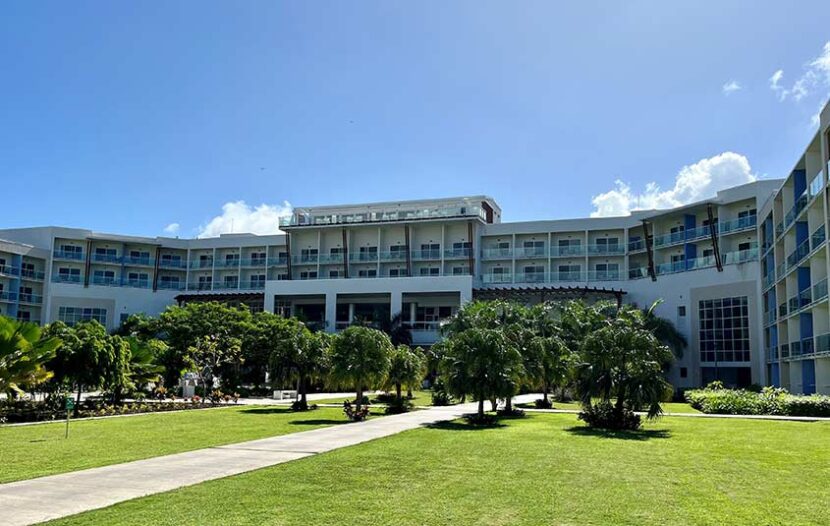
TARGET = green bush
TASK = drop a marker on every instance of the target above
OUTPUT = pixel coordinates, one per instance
(603, 415)
(770, 401)
(395, 406)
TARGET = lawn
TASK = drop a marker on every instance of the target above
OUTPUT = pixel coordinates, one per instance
(419, 398)
(37, 450)
(542, 469)
(669, 407)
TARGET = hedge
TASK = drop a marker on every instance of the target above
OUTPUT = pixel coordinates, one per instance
(770, 401)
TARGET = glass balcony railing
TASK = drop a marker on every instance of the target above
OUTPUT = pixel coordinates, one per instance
(820, 290)
(330, 259)
(531, 277)
(497, 253)
(573, 275)
(227, 263)
(70, 255)
(701, 262)
(105, 258)
(106, 281)
(606, 250)
(252, 262)
(737, 225)
(8, 270)
(366, 257)
(531, 252)
(137, 283)
(741, 256)
(170, 285)
(701, 232)
(671, 267)
(784, 350)
(770, 317)
(422, 255)
(226, 285)
(139, 261)
(772, 354)
(201, 263)
(277, 261)
(636, 245)
(671, 238)
(172, 263)
(305, 259)
(567, 250)
(822, 344)
(8, 296)
(66, 278)
(769, 279)
(200, 286)
(497, 278)
(637, 273)
(782, 310)
(301, 218)
(36, 275)
(604, 275)
(458, 253)
(393, 255)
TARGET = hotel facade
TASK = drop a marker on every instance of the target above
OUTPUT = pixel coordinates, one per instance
(743, 275)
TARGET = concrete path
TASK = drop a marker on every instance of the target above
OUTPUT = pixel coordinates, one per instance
(46, 498)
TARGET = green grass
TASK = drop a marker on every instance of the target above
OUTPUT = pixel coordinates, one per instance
(419, 398)
(542, 469)
(37, 450)
(670, 407)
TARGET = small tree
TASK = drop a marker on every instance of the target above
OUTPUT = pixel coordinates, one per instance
(359, 357)
(23, 355)
(622, 363)
(547, 361)
(482, 363)
(407, 367)
(209, 354)
(81, 362)
(300, 354)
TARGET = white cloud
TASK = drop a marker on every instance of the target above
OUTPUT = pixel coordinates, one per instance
(816, 76)
(694, 182)
(731, 87)
(239, 217)
(172, 228)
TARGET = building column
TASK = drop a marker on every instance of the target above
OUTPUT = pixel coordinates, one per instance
(331, 311)
(351, 313)
(413, 307)
(396, 304)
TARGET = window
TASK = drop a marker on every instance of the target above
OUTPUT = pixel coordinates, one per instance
(24, 315)
(747, 213)
(430, 250)
(398, 251)
(138, 279)
(569, 247)
(140, 256)
(169, 282)
(231, 282)
(257, 258)
(397, 272)
(282, 308)
(258, 281)
(282, 277)
(569, 272)
(724, 330)
(684, 372)
(430, 271)
(27, 270)
(308, 274)
(205, 260)
(73, 315)
(308, 255)
(744, 246)
(69, 275)
(205, 282)
(368, 253)
(367, 273)
(105, 254)
(460, 271)
(103, 277)
(334, 274)
(498, 271)
(681, 311)
(461, 248)
(708, 252)
(231, 260)
(72, 251)
(607, 270)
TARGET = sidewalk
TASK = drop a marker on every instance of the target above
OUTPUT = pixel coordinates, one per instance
(46, 498)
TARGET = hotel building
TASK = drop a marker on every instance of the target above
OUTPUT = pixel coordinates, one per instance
(743, 275)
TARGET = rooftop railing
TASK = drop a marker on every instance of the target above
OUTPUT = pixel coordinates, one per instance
(440, 212)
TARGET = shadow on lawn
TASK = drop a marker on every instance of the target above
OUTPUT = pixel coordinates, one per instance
(461, 426)
(317, 422)
(272, 410)
(642, 434)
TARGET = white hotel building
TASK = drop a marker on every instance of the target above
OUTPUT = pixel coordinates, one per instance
(743, 275)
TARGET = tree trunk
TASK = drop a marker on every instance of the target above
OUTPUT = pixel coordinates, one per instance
(302, 385)
(409, 392)
(78, 399)
(545, 390)
(481, 407)
(398, 390)
(508, 404)
(359, 398)
(494, 404)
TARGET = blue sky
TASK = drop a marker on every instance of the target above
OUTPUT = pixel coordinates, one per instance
(131, 116)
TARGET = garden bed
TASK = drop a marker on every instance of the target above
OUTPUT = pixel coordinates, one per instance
(769, 401)
(24, 411)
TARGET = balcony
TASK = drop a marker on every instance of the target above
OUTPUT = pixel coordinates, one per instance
(33, 275)
(306, 259)
(363, 257)
(7, 270)
(106, 281)
(822, 344)
(606, 250)
(671, 267)
(140, 261)
(201, 263)
(226, 285)
(252, 285)
(137, 283)
(741, 256)
(66, 278)
(567, 251)
(772, 354)
(202, 285)
(574, 275)
(8, 297)
(170, 285)
(782, 310)
(769, 279)
(228, 263)
(69, 256)
(531, 277)
(636, 245)
(770, 317)
(278, 261)
(458, 253)
(172, 263)
(637, 273)
(426, 255)
(701, 262)
(531, 253)
(253, 262)
(493, 278)
(604, 275)
(111, 259)
(820, 290)
(331, 259)
(672, 238)
(738, 225)
(784, 350)
(301, 219)
(497, 253)
(394, 255)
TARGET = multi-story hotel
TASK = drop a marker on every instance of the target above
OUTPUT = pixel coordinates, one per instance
(743, 275)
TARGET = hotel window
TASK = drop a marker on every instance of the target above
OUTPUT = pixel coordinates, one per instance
(534, 273)
(681, 311)
(499, 271)
(72, 275)
(205, 282)
(608, 244)
(399, 251)
(169, 282)
(460, 271)
(257, 281)
(570, 272)
(282, 308)
(430, 250)
(140, 279)
(534, 248)
(368, 253)
(24, 315)
(430, 271)
(140, 256)
(308, 274)
(257, 258)
(74, 315)
(569, 247)
(308, 254)
(231, 260)
(461, 248)
(744, 246)
(607, 270)
(747, 213)
(708, 252)
(397, 272)
(334, 274)
(26, 269)
(205, 260)
(724, 330)
(72, 251)
(25, 293)
(231, 282)
(105, 277)
(503, 248)
(282, 277)
(367, 273)
(105, 254)
(171, 259)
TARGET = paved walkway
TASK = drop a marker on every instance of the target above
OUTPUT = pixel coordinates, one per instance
(46, 498)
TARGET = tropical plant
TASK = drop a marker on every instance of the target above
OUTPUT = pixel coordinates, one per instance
(23, 355)
(359, 357)
(407, 368)
(398, 331)
(622, 363)
(547, 361)
(664, 330)
(208, 355)
(83, 359)
(301, 355)
(481, 363)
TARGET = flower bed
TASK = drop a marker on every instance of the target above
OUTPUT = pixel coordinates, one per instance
(770, 401)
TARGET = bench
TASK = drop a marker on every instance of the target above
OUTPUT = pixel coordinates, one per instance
(285, 394)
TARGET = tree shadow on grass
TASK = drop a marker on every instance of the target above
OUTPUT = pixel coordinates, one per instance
(271, 410)
(462, 426)
(640, 435)
(317, 422)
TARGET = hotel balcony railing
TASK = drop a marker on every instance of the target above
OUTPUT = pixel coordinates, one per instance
(770, 317)
(741, 256)
(531, 252)
(784, 350)
(200, 286)
(226, 285)
(335, 258)
(497, 253)
(497, 278)
(422, 255)
(822, 344)
(201, 263)
(671, 268)
(636, 245)
(701, 232)
(8, 296)
(782, 310)
(531, 277)
(252, 262)
(105, 258)
(366, 257)
(171, 285)
(779, 229)
(736, 225)
(227, 263)
(74, 256)
(458, 253)
(308, 219)
(637, 273)
(37, 275)
(8, 270)
(66, 278)
(139, 261)
(817, 237)
(820, 290)
(308, 259)
(669, 239)
(277, 261)
(604, 275)
(137, 283)
(106, 281)
(432, 326)
(394, 255)
(769, 279)
(172, 263)
(606, 250)
(566, 251)
(577, 275)
(252, 285)
(772, 354)
(798, 207)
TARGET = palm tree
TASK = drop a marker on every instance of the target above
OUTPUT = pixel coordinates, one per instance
(23, 355)
(359, 357)
(398, 331)
(407, 367)
(301, 355)
(664, 330)
(547, 361)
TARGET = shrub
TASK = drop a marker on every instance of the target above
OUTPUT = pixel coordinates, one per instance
(355, 415)
(541, 403)
(605, 416)
(396, 407)
(511, 413)
(299, 405)
(770, 401)
(486, 419)
(385, 398)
